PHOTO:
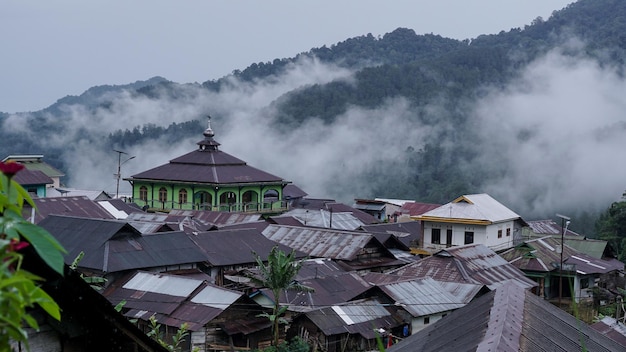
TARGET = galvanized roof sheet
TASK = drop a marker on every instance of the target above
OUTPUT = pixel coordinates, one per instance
(422, 296)
(320, 242)
(360, 317)
(325, 218)
(163, 284)
(473, 207)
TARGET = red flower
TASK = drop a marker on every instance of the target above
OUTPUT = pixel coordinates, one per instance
(16, 245)
(10, 168)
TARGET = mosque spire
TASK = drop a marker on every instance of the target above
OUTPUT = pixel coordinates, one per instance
(208, 144)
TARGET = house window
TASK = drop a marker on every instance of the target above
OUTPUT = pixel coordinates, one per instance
(469, 237)
(182, 196)
(499, 233)
(143, 193)
(426, 320)
(162, 194)
(435, 236)
(508, 231)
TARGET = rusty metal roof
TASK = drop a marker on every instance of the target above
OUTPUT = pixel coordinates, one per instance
(320, 242)
(470, 264)
(507, 319)
(66, 206)
(416, 208)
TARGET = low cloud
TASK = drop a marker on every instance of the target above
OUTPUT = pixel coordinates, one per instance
(557, 134)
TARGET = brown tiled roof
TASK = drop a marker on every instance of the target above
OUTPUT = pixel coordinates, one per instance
(208, 166)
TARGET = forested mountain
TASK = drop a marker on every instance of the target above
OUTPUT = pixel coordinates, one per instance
(437, 79)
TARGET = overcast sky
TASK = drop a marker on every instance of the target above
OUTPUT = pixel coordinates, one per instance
(51, 49)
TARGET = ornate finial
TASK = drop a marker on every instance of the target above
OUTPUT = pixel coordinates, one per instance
(208, 144)
(208, 132)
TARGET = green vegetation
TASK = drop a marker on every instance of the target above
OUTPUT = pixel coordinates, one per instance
(278, 275)
(19, 289)
(611, 226)
(424, 69)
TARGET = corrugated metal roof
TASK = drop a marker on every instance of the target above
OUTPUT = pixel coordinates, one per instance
(162, 284)
(216, 297)
(422, 297)
(473, 207)
(236, 247)
(28, 177)
(67, 206)
(360, 317)
(612, 328)
(471, 264)
(507, 319)
(464, 292)
(172, 299)
(543, 255)
(325, 218)
(217, 218)
(327, 290)
(112, 245)
(320, 242)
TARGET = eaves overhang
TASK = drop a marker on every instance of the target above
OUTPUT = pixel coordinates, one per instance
(452, 220)
(212, 184)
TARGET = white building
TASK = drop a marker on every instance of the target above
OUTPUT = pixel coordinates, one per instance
(474, 218)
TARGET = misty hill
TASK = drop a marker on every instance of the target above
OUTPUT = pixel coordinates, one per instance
(435, 117)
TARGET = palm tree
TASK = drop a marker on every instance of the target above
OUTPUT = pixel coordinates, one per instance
(278, 275)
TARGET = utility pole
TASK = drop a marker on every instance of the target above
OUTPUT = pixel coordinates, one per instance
(565, 221)
(119, 170)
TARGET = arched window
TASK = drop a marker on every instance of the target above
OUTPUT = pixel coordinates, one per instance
(162, 195)
(228, 198)
(182, 196)
(143, 193)
(249, 197)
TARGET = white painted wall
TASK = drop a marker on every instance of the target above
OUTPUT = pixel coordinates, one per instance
(485, 235)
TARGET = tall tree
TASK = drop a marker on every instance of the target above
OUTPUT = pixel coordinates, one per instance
(278, 275)
(612, 227)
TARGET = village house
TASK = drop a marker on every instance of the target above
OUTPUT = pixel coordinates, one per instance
(355, 250)
(35, 162)
(218, 318)
(208, 179)
(509, 318)
(352, 326)
(540, 259)
(112, 248)
(473, 218)
(470, 264)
